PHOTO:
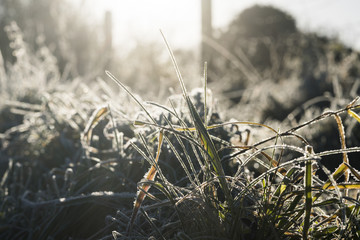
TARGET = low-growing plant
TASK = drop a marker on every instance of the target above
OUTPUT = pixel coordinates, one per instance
(286, 201)
(65, 171)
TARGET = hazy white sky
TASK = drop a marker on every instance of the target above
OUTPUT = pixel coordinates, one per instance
(180, 20)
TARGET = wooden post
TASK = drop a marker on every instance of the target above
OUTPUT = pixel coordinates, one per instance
(206, 29)
(108, 40)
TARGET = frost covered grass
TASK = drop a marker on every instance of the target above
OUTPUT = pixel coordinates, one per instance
(85, 161)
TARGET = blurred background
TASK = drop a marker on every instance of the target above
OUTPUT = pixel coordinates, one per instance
(134, 19)
(266, 59)
(275, 62)
(88, 36)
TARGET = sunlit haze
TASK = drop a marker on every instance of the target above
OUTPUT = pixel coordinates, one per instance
(180, 20)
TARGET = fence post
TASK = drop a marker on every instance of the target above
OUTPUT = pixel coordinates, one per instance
(108, 40)
(206, 29)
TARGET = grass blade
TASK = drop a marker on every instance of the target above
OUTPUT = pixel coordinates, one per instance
(343, 143)
(177, 70)
(284, 183)
(353, 171)
(308, 193)
(346, 186)
(132, 95)
(95, 118)
(335, 176)
(354, 115)
(150, 176)
(205, 139)
(210, 149)
(284, 225)
(151, 222)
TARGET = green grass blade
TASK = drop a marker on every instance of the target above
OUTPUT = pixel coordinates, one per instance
(354, 115)
(292, 221)
(210, 149)
(331, 201)
(308, 194)
(336, 174)
(285, 224)
(284, 183)
(347, 186)
(325, 232)
(201, 129)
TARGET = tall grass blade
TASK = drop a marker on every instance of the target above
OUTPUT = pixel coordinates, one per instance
(177, 70)
(203, 134)
(210, 149)
(150, 176)
(112, 77)
(308, 194)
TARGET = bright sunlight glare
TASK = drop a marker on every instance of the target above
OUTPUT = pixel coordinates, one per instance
(139, 20)
(142, 19)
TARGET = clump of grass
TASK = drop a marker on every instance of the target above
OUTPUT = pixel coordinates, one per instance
(285, 201)
(69, 166)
